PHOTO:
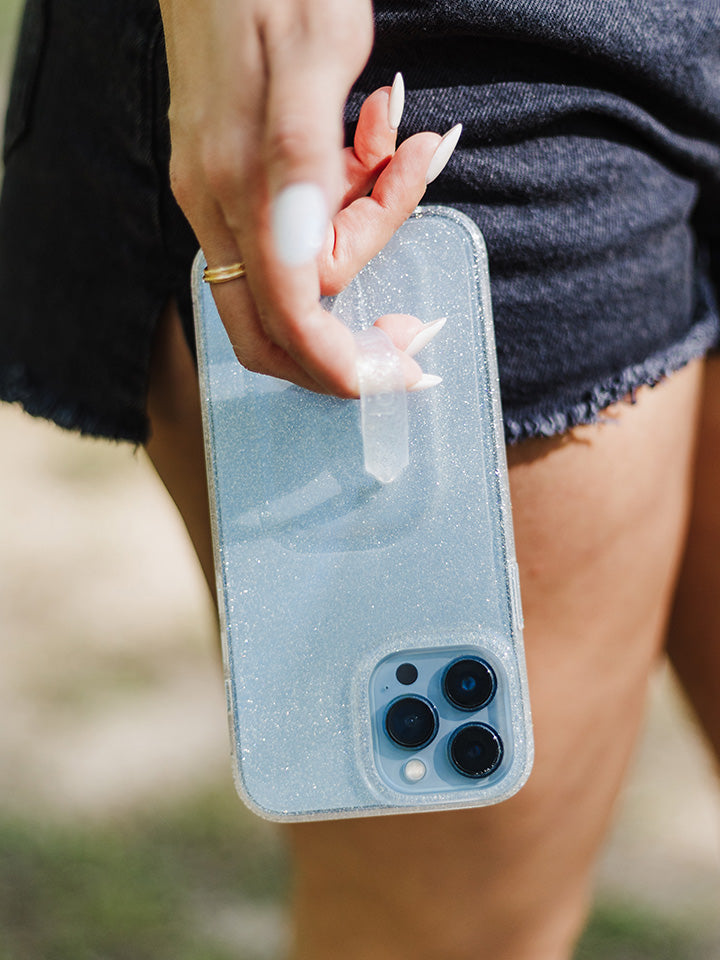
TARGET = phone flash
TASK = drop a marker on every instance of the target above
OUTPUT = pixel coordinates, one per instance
(414, 770)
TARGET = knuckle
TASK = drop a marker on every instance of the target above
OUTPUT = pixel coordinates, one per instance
(342, 31)
(349, 31)
(290, 140)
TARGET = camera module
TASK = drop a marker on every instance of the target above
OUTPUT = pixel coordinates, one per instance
(411, 722)
(475, 750)
(470, 683)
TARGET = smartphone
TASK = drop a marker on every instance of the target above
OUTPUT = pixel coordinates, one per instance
(372, 632)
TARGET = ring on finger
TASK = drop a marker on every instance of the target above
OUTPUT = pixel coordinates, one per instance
(222, 274)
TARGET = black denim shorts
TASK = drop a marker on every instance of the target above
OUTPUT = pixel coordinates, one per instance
(590, 159)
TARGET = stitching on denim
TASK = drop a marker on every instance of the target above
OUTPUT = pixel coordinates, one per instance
(16, 386)
(701, 338)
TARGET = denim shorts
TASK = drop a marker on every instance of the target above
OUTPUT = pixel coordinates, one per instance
(590, 158)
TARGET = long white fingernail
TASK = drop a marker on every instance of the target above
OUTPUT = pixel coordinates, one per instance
(396, 103)
(443, 153)
(423, 338)
(426, 381)
(299, 223)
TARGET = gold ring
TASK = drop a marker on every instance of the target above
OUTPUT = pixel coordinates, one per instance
(222, 274)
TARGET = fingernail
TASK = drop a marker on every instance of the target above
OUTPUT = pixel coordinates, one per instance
(396, 103)
(299, 223)
(423, 338)
(443, 153)
(426, 381)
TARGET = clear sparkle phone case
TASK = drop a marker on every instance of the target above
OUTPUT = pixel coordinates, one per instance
(350, 608)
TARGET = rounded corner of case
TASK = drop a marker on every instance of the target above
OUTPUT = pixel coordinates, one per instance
(265, 813)
(522, 777)
(526, 771)
(458, 217)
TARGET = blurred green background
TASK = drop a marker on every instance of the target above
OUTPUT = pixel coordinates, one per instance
(120, 834)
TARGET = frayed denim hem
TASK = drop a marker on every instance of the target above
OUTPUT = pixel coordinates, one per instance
(549, 423)
(17, 386)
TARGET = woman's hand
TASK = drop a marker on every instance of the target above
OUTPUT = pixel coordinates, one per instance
(257, 93)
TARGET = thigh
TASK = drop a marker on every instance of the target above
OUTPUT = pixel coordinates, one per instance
(694, 636)
(175, 441)
(600, 516)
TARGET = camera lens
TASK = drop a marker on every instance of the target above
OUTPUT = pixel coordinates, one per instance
(411, 722)
(475, 750)
(469, 683)
(406, 674)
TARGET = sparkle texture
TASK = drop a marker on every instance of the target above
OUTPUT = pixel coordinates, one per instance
(323, 572)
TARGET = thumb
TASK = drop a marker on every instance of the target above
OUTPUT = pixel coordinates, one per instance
(302, 149)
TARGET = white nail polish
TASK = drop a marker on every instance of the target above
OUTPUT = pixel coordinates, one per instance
(443, 153)
(299, 223)
(423, 338)
(396, 103)
(426, 381)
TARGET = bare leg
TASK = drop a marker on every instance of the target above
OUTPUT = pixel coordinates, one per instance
(600, 519)
(694, 636)
(176, 442)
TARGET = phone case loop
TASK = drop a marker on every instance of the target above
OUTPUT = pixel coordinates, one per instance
(383, 405)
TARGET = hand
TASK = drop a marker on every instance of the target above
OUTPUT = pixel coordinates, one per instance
(256, 108)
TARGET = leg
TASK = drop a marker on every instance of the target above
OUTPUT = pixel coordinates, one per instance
(694, 636)
(176, 442)
(600, 519)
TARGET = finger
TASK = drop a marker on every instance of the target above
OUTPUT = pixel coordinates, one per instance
(210, 167)
(374, 140)
(408, 333)
(252, 347)
(250, 342)
(323, 337)
(402, 328)
(317, 340)
(299, 182)
(311, 65)
(346, 354)
(362, 229)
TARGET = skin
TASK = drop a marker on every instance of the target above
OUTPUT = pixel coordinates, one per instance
(601, 519)
(693, 635)
(257, 93)
(601, 515)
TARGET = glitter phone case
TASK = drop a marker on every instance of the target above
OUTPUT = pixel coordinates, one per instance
(371, 631)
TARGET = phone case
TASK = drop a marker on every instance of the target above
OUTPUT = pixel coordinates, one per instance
(371, 631)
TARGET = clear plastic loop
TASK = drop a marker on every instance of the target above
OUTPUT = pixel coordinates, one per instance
(383, 405)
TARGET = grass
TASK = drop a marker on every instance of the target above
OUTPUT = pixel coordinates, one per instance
(151, 887)
(135, 890)
(10, 11)
(623, 931)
